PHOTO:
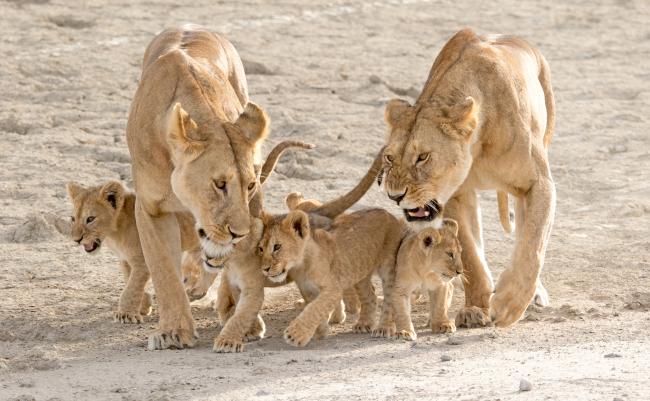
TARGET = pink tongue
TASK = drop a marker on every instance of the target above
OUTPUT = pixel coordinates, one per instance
(420, 213)
(89, 247)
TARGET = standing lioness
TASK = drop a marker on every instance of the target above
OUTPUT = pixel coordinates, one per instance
(484, 120)
(193, 138)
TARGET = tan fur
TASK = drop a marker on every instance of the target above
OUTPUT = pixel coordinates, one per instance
(193, 137)
(325, 263)
(428, 260)
(112, 210)
(484, 120)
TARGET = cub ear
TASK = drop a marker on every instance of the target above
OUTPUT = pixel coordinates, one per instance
(395, 111)
(297, 221)
(113, 193)
(74, 189)
(428, 238)
(183, 132)
(253, 123)
(463, 115)
(450, 225)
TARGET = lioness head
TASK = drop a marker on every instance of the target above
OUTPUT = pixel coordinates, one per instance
(96, 211)
(283, 244)
(214, 176)
(427, 155)
(440, 250)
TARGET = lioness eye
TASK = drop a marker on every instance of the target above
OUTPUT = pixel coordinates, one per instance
(423, 157)
(276, 247)
(251, 186)
(450, 254)
(220, 184)
(90, 219)
(389, 159)
(72, 219)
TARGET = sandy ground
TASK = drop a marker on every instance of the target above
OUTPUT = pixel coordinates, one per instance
(323, 70)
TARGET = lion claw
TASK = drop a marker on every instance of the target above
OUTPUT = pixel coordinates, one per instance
(471, 317)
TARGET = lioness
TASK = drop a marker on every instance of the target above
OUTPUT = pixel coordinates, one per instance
(193, 137)
(483, 120)
(429, 260)
(325, 263)
(196, 279)
(105, 214)
(241, 291)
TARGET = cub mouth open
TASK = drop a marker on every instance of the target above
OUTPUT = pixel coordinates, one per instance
(428, 212)
(213, 265)
(93, 246)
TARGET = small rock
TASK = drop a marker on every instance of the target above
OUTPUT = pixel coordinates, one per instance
(374, 79)
(262, 393)
(445, 358)
(256, 68)
(525, 385)
(559, 319)
(613, 355)
(617, 149)
(454, 341)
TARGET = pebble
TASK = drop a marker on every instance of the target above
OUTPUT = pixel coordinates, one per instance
(613, 355)
(525, 385)
(445, 358)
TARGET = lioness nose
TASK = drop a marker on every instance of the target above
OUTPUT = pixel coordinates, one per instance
(235, 235)
(397, 197)
(267, 269)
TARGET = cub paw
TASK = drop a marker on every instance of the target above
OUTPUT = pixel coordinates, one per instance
(257, 331)
(296, 336)
(145, 304)
(407, 335)
(472, 316)
(442, 327)
(227, 345)
(172, 339)
(363, 326)
(384, 332)
(338, 315)
(127, 317)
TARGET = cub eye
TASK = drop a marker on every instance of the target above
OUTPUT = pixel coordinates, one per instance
(220, 184)
(276, 247)
(260, 249)
(90, 219)
(423, 157)
(251, 186)
(389, 159)
(450, 254)
(72, 219)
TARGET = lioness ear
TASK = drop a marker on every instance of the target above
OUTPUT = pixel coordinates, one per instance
(183, 131)
(428, 238)
(74, 189)
(463, 116)
(395, 110)
(253, 123)
(297, 221)
(451, 225)
(113, 193)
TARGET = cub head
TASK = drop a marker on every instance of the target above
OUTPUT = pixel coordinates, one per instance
(440, 249)
(427, 155)
(214, 174)
(283, 244)
(96, 212)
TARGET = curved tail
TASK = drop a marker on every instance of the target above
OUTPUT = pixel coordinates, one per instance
(504, 212)
(276, 153)
(337, 206)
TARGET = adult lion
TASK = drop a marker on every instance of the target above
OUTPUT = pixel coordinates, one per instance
(484, 120)
(193, 138)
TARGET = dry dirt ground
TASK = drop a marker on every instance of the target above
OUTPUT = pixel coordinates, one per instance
(323, 70)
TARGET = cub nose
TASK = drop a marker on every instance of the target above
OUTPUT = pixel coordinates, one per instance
(201, 233)
(397, 197)
(459, 271)
(78, 241)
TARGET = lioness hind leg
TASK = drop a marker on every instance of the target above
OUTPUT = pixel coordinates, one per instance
(465, 210)
(368, 314)
(541, 297)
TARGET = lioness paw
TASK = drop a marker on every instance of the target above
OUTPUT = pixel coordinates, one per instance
(227, 345)
(127, 317)
(472, 316)
(506, 309)
(445, 326)
(407, 335)
(174, 339)
(296, 337)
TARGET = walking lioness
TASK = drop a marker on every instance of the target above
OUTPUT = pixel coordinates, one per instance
(193, 136)
(484, 120)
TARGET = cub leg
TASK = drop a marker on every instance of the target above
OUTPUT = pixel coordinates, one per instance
(302, 328)
(226, 302)
(368, 314)
(132, 301)
(386, 326)
(439, 302)
(351, 300)
(401, 299)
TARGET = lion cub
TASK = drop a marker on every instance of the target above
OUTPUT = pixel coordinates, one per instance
(429, 260)
(325, 263)
(105, 214)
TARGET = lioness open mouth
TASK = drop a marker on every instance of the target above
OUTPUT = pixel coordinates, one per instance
(93, 246)
(427, 212)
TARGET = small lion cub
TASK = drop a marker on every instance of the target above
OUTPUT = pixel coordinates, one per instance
(429, 260)
(105, 214)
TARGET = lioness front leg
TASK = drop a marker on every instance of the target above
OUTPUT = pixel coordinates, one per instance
(302, 328)
(517, 284)
(464, 209)
(133, 301)
(161, 245)
(245, 319)
(439, 302)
